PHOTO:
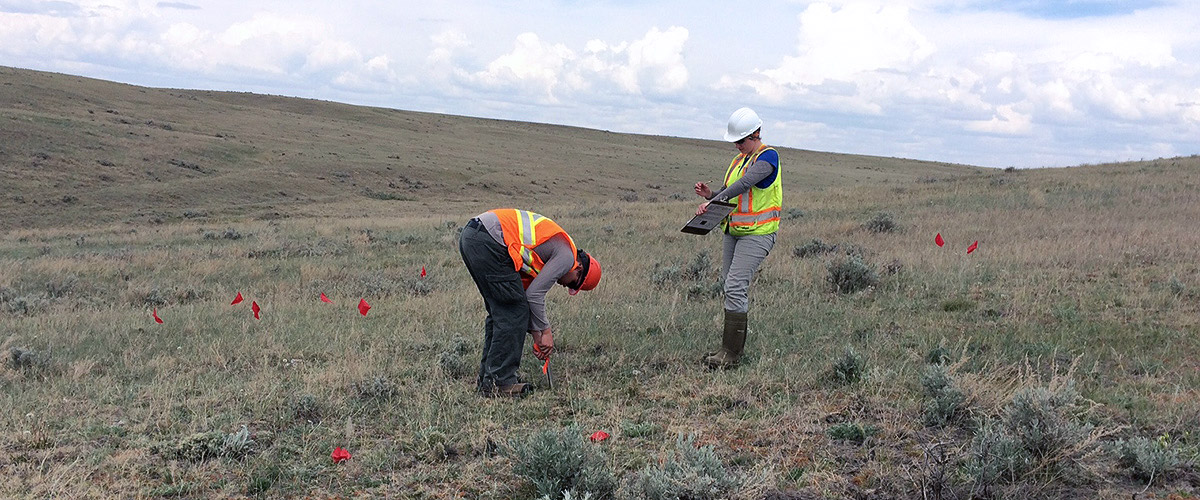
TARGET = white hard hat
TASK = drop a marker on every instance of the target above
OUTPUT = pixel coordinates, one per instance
(742, 123)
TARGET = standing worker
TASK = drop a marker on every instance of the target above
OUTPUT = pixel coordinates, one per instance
(515, 257)
(753, 181)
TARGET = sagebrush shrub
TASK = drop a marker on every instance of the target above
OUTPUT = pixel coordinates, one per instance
(29, 361)
(1041, 420)
(378, 388)
(1037, 431)
(691, 472)
(882, 222)
(851, 274)
(21, 358)
(848, 369)
(1149, 459)
(945, 402)
(306, 407)
(213, 444)
(432, 445)
(676, 272)
(27, 305)
(813, 248)
(994, 457)
(561, 461)
(938, 355)
(454, 360)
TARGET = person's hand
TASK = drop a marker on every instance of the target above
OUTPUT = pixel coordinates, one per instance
(703, 208)
(703, 190)
(544, 343)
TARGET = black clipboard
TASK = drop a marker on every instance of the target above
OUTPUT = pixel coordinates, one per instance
(705, 222)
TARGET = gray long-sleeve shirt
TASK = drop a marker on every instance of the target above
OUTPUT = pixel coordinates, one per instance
(557, 260)
(756, 173)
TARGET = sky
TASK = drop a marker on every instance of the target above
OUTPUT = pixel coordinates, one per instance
(993, 83)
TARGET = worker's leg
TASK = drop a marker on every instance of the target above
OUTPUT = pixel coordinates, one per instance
(504, 298)
(741, 257)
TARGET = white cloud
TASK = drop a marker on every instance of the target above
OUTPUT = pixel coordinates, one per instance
(652, 64)
(959, 80)
(845, 45)
(1007, 121)
(533, 65)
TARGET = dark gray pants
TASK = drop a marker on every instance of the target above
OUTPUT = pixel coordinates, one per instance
(504, 298)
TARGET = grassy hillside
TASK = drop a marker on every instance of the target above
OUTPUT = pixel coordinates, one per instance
(77, 151)
(1058, 360)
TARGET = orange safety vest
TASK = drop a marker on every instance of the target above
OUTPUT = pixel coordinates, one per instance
(758, 209)
(524, 230)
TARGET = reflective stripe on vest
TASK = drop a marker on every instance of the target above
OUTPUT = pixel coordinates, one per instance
(758, 209)
(523, 230)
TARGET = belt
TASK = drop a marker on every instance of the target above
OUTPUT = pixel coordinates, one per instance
(475, 224)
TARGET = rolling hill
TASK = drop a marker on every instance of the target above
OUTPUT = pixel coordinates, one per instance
(76, 151)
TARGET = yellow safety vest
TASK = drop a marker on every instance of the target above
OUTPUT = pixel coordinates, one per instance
(524, 230)
(758, 209)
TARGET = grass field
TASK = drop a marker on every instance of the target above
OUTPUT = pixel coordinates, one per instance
(1058, 360)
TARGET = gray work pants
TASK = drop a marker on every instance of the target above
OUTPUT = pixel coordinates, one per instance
(740, 258)
(504, 299)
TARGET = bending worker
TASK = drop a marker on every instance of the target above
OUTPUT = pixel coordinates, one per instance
(515, 257)
(753, 182)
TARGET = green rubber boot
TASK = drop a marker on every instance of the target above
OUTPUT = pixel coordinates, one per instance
(733, 341)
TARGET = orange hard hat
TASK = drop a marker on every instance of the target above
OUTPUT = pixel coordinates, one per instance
(590, 271)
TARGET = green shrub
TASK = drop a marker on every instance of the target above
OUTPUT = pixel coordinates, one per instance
(691, 472)
(1041, 420)
(27, 305)
(640, 429)
(676, 272)
(938, 355)
(882, 222)
(213, 444)
(851, 274)
(454, 360)
(378, 388)
(1036, 431)
(306, 407)
(1149, 459)
(848, 369)
(958, 304)
(945, 402)
(23, 359)
(813, 248)
(432, 445)
(994, 457)
(560, 462)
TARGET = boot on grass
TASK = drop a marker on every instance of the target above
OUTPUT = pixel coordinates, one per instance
(733, 341)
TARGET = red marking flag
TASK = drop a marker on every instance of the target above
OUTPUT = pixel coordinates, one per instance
(546, 365)
(325, 299)
(599, 436)
(254, 307)
(422, 271)
(340, 455)
(938, 239)
(237, 300)
(363, 307)
(973, 246)
(156, 318)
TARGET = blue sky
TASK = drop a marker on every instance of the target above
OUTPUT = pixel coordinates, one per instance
(991, 83)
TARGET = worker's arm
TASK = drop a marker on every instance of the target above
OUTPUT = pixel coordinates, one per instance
(557, 260)
(758, 172)
(761, 173)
